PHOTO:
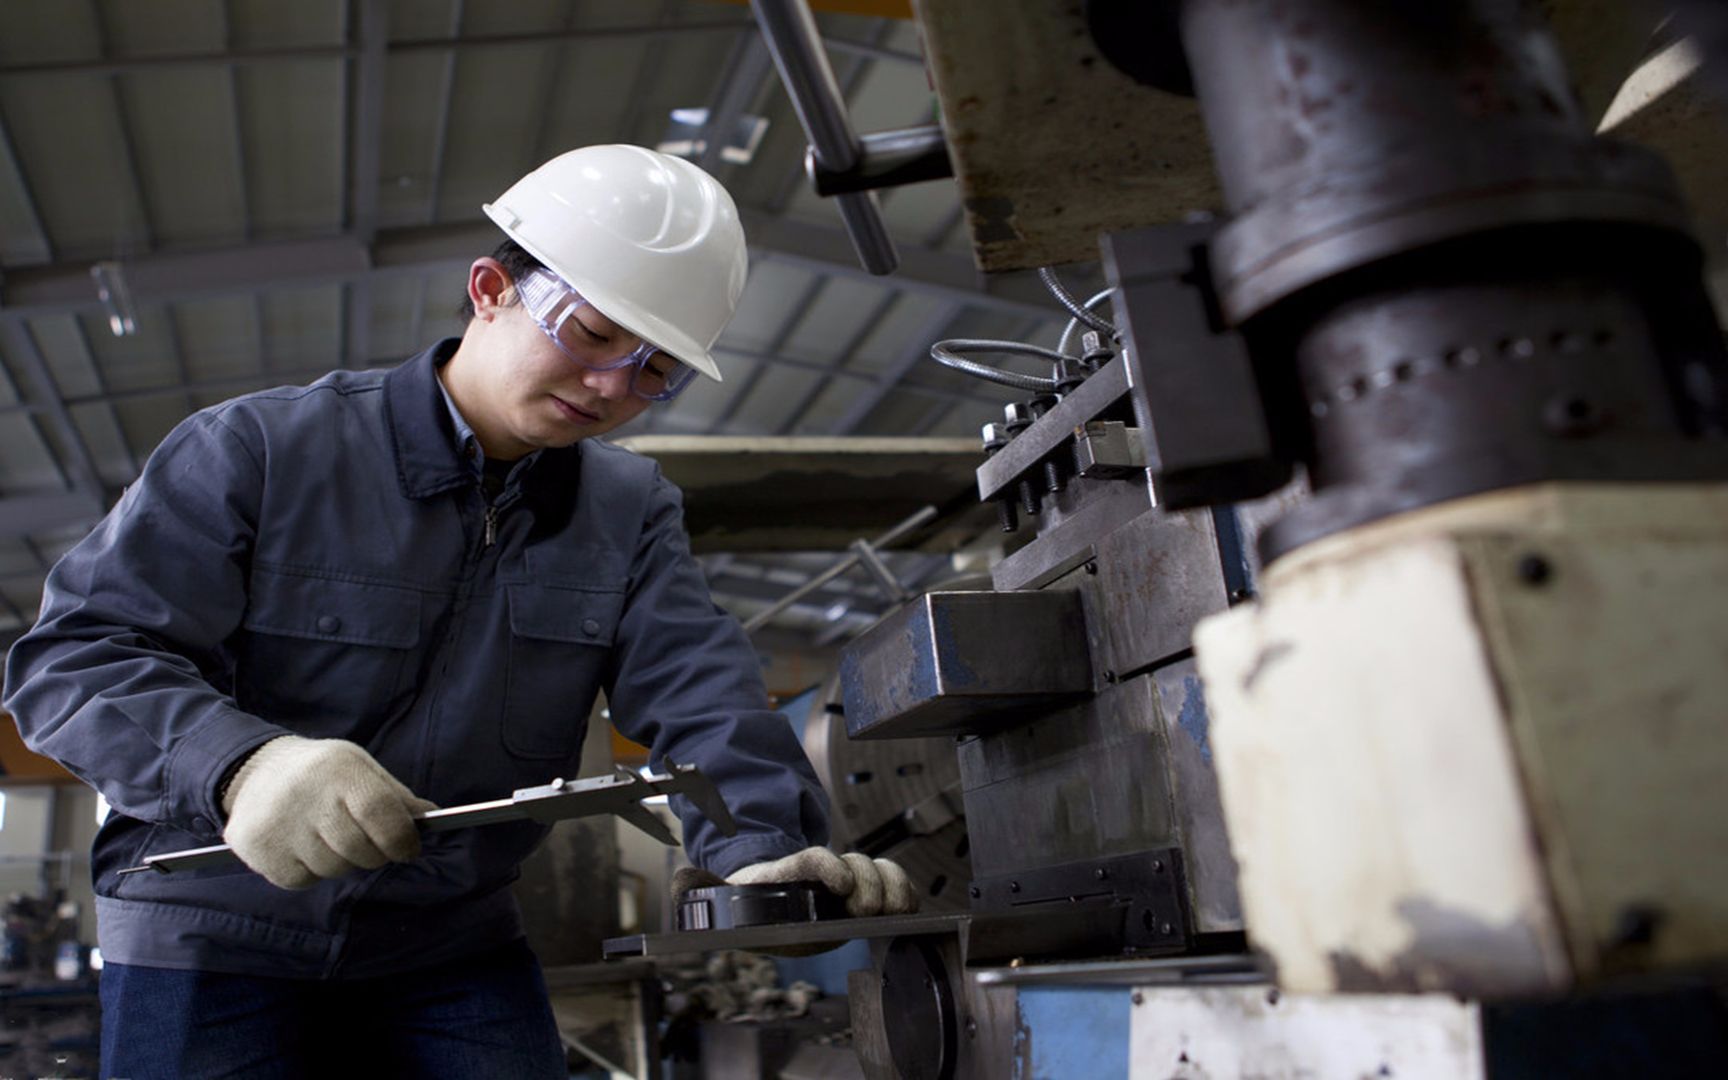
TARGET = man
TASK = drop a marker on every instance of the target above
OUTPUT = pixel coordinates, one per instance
(322, 610)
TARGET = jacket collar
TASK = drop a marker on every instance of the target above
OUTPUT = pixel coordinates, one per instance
(428, 461)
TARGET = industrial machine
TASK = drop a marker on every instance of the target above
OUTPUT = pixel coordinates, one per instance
(1356, 708)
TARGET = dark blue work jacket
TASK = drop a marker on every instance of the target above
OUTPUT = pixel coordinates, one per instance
(317, 561)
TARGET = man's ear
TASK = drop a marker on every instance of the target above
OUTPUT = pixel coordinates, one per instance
(489, 285)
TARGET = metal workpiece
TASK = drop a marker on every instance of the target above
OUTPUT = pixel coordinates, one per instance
(885, 159)
(727, 907)
(620, 794)
(793, 39)
(959, 662)
(1053, 432)
(1208, 437)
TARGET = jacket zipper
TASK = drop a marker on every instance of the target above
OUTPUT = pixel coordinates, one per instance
(491, 525)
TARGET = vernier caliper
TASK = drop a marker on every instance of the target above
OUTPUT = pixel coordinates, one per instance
(620, 794)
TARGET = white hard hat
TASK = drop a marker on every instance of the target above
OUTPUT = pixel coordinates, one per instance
(652, 241)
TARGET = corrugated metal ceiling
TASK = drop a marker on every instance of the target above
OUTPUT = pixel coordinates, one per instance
(294, 187)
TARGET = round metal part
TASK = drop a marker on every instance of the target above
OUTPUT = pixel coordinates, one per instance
(729, 907)
(1348, 140)
(1140, 38)
(918, 1010)
(897, 799)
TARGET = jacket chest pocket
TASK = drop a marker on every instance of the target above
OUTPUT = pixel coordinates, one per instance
(321, 655)
(560, 643)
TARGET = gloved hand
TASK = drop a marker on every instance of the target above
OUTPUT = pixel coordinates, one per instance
(870, 886)
(303, 809)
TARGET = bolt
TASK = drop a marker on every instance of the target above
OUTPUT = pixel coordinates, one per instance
(1095, 352)
(1013, 886)
(1166, 929)
(1138, 998)
(1029, 500)
(1055, 476)
(1272, 997)
(1007, 515)
(1571, 416)
(1533, 569)
(971, 1029)
(976, 892)
(1092, 567)
(995, 438)
(1110, 677)
(1017, 416)
(1157, 866)
(1101, 874)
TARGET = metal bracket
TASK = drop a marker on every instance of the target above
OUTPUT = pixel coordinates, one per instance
(1148, 887)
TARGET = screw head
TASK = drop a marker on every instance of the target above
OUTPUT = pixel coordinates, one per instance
(1014, 886)
(976, 892)
(1138, 998)
(1101, 874)
(1534, 569)
(1157, 866)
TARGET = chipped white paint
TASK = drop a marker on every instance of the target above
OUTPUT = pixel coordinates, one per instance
(1239, 1032)
(1404, 714)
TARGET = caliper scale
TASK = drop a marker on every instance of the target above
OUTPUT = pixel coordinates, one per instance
(620, 793)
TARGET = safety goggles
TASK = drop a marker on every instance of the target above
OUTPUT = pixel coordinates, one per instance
(655, 374)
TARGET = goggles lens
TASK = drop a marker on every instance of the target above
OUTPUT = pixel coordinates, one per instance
(554, 305)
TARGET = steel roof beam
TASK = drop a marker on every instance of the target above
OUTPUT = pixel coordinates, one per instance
(132, 64)
(167, 276)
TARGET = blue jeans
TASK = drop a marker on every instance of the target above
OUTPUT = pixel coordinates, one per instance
(483, 1017)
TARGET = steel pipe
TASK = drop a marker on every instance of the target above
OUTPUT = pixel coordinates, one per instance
(790, 31)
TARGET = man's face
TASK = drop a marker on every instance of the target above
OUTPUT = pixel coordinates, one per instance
(535, 397)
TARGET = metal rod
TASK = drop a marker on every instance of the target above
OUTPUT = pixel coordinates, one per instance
(844, 564)
(887, 159)
(790, 30)
(127, 65)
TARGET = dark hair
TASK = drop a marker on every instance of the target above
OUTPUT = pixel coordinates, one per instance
(515, 259)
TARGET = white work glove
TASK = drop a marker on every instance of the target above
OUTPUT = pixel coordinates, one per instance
(304, 809)
(870, 886)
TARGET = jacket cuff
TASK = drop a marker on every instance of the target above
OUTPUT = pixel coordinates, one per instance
(203, 761)
(744, 851)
